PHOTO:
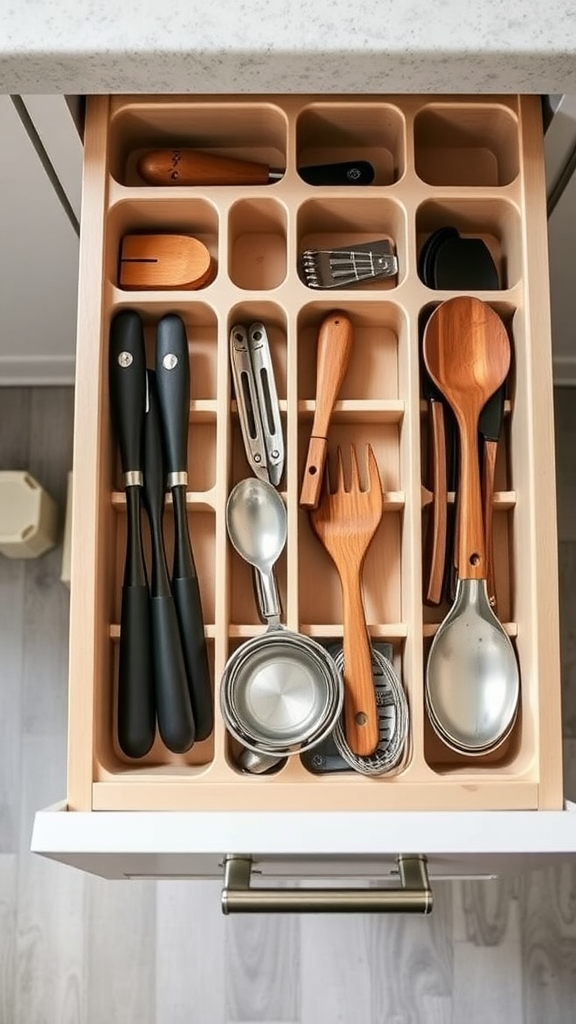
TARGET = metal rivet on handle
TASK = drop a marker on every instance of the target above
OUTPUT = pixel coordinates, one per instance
(125, 359)
(170, 361)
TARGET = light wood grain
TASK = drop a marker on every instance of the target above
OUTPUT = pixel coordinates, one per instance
(121, 952)
(262, 959)
(191, 980)
(8, 906)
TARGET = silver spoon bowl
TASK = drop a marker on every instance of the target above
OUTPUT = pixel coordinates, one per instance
(472, 677)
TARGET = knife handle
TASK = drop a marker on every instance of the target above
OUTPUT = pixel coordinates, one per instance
(127, 382)
(136, 709)
(189, 608)
(437, 526)
(192, 167)
(174, 710)
(173, 385)
(348, 172)
(488, 472)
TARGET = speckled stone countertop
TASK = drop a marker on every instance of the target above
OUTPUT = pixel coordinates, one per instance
(375, 46)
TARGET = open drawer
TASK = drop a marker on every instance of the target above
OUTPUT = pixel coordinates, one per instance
(469, 162)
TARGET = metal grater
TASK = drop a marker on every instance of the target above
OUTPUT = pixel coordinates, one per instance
(349, 265)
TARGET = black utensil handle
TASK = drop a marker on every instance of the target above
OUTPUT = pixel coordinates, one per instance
(154, 490)
(136, 712)
(173, 707)
(127, 382)
(189, 608)
(349, 172)
(173, 384)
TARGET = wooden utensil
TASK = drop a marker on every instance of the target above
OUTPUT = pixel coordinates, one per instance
(467, 354)
(345, 522)
(333, 355)
(472, 679)
(164, 261)
(192, 167)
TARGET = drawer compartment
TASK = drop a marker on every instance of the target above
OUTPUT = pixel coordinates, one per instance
(474, 164)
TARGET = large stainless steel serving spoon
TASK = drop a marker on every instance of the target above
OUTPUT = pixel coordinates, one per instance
(472, 678)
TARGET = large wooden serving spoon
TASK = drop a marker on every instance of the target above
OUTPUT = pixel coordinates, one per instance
(472, 681)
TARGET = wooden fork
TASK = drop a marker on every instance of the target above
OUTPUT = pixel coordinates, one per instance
(345, 522)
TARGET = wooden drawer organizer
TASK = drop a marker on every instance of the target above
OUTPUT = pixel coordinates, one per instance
(475, 163)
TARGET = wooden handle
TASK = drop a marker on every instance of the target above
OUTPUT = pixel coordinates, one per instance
(360, 711)
(488, 471)
(190, 167)
(335, 339)
(437, 526)
(469, 522)
(164, 261)
(313, 473)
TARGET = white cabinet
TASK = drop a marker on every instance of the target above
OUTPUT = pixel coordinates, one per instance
(38, 265)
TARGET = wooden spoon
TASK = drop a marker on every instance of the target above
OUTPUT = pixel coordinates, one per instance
(467, 354)
(472, 681)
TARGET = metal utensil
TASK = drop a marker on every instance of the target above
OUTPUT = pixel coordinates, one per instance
(127, 383)
(349, 264)
(281, 692)
(472, 678)
(334, 754)
(173, 382)
(335, 339)
(173, 708)
(257, 400)
(345, 522)
(392, 709)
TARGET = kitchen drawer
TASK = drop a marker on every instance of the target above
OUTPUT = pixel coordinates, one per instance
(475, 163)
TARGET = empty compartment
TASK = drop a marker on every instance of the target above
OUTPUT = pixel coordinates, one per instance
(326, 224)
(239, 130)
(372, 372)
(496, 221)
(328, 133)
(466, 144)
(257, 247)
(319, 593)
(194, 218)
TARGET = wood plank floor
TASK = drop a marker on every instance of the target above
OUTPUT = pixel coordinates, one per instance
(79, 950)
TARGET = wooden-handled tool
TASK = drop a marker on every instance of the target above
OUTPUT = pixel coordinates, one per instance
(164, 261)
(346, 521)
(333, 355)
(192, 167)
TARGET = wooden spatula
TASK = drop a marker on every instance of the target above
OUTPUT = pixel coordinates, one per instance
(164, 261)
(333, 355)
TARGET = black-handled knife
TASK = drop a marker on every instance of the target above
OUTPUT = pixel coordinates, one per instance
(173, 707)
(173, 382)
(127, 384)
(348, 172)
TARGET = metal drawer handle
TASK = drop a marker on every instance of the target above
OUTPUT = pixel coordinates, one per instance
(413, 897)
